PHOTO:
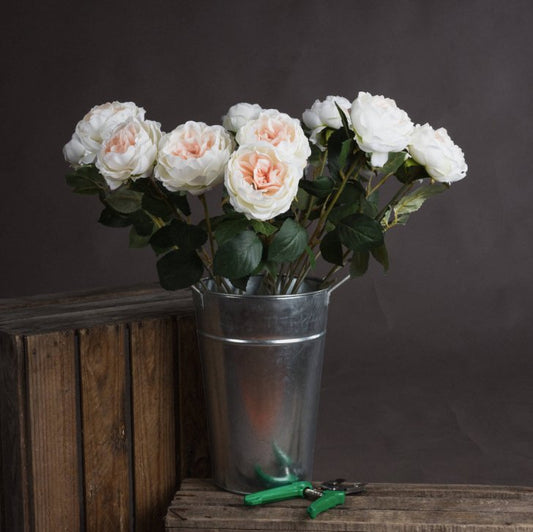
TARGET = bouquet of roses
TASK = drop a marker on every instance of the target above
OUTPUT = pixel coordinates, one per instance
(289, 194)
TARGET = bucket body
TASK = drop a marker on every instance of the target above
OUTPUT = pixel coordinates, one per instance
(262, 361)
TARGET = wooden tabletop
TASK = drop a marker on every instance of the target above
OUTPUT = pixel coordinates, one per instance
(383, 507)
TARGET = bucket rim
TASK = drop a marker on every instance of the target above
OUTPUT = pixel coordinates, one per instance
(272, 297)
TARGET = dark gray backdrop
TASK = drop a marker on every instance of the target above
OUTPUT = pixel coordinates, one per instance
(428, 374)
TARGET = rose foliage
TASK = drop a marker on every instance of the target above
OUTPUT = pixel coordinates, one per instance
(294, 200)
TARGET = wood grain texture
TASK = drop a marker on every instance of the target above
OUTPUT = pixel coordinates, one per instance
(193, 444)
(384, 508)
(14, 446)
(104, 425)
(51, 381)
(54, 312)
(153, 367)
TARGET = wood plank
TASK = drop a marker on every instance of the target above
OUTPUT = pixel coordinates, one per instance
(105, 428)
(153, 365)
(51, 373)
(194, 451)
(31, 316)
(384, 507)
(15, 478)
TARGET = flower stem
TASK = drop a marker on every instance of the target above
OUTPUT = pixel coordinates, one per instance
(208, 224)
(394, 200)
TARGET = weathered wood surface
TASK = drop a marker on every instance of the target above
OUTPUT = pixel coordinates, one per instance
(51, 389)
(383, 507)
(30, 315)
(106, 442)
(153, 368)
(90, 408)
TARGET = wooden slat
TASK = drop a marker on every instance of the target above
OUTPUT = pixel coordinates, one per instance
(51, 374)
(194, 452)
(384, 507)
(105, 428)
(153, 366)
(15, 478)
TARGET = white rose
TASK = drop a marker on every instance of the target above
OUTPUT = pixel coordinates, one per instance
(380, 126)
(193, 157)
(279, 130)
(94, 127)
(239, 114)
(325, 114)
(260, 182)
(435, 150)
(129, 151)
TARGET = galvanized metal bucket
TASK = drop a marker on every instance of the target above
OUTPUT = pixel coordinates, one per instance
(262, 362)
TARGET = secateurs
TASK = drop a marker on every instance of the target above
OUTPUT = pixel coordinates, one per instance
(327, 495)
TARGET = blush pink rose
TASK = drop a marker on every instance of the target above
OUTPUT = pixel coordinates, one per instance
(279, 130)
(193, 157)
(260, 182)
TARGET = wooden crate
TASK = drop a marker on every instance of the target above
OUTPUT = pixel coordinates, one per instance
(101, 409)
(382, 508)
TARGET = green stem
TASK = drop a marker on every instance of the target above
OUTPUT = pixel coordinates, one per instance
(379, 184)
(394, 200)
(201, 197)
(162, 196)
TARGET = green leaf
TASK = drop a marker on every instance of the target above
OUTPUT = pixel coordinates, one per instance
(359, 263)
(342, 211)
(321, 187)
(303, 199)
(229, 228)
(344, 120)
(124, 200)
(289, 243)
(359, 232)
(136, 240)
(143, 224)
(184, 236)
(339, 148)
(82, 185)
(111, 218)
(395, 160)
(411, 171)
(156, 206)
(263, 228)
(239, 256)
(381, 254)
(180, 201)
(86, 180)
(353, 191)
(179, 269)
(412, 202)
(331, 248)
(346, 149)
(370, 205)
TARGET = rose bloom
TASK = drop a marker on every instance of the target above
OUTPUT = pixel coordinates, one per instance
(260, 182)
(435, 150)
(192, 157)
(380, 126)
(279, 130)
(325, 114)
(239, 114)
(129, 151)
(94, 127)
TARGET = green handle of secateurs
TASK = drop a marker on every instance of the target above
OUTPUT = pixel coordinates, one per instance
(281, 493)
(329, 499)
